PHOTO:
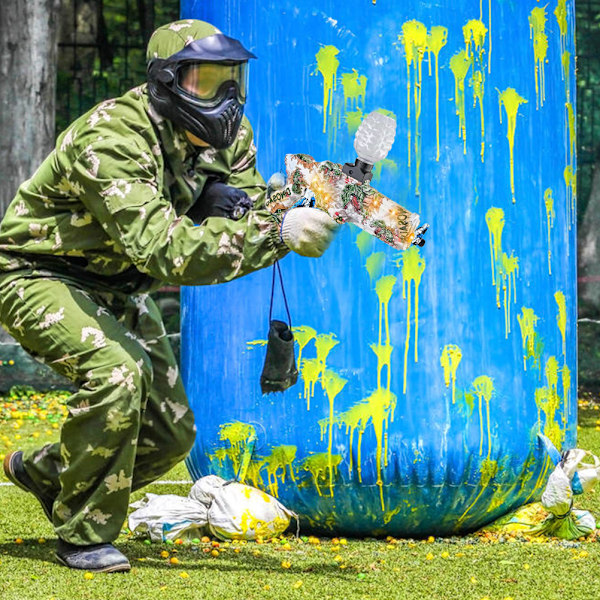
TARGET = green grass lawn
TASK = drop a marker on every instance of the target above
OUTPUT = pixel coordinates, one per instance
(469, 568)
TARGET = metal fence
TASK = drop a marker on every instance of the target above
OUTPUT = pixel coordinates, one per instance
(588, 96)
(102, 50)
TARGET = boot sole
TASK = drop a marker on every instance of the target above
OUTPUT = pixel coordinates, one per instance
(10, 474)
(122, 568)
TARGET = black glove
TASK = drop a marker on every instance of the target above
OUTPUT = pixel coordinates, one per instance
(220, 200)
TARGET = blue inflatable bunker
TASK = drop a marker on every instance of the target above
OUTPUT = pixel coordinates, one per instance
(425, 375)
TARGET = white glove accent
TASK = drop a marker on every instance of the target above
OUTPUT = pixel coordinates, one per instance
(308, 231)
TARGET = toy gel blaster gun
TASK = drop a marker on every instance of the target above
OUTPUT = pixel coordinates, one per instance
(344, 192)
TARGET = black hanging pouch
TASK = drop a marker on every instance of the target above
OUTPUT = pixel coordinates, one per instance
(279, 371)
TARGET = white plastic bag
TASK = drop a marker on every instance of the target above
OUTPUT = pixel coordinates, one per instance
(167, 517)
(228, 510)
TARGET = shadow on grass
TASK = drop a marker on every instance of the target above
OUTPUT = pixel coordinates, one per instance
(192, 559)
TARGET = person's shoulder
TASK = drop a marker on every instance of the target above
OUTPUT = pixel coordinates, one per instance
(124, 118)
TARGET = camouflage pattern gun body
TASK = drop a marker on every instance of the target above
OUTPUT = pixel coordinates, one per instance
(324, 185)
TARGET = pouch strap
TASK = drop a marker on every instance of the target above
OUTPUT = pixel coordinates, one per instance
(287, 310)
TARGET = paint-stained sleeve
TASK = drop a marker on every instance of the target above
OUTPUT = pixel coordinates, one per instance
(116, 180)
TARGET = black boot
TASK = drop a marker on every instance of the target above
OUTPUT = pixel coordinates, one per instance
(100, 558)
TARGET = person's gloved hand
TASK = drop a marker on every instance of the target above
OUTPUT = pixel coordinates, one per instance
(307, 231)
(220, 200)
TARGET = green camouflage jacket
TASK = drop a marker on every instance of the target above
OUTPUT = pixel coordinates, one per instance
(108, 206)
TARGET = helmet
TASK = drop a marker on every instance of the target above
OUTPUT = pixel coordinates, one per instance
(197, 78)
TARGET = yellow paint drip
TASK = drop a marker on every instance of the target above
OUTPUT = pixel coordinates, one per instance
(355, 419)
(483, 387)
(327, 65)
(527, 322)
(364, 241)
(374, 264)
(384, 359)
(303, 334)
(474, 33)
(488, 470)
(353, 120)
(355, 90)
(384, 288)
(381, 404)
(565, 61)
(450, 359)
(566, 383)
(324, 343)
(506, 279)
(537, 31)
(281, 457)
(436, 40)
(413, 265)
(333, 385)
(572, 135)
(494, 219)
(460, 64)
(318, 466)
(561, 17)
(253, 475)
(310, 369)
(571, 184)
(561, 320)
(511, 101)
(550, 215)
(477, 83)
(238, 435)
(414, 39)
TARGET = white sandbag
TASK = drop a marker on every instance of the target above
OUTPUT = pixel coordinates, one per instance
(167, 517)
(558, 495)
(203, 490)
(240, 511)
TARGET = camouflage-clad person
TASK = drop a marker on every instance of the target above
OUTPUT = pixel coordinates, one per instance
(159, 185)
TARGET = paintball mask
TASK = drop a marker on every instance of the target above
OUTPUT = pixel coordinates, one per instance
(202, 88)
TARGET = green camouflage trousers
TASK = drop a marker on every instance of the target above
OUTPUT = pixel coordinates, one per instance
(130, 421)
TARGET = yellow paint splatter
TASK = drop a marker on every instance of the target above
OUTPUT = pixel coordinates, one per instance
(537, 31)
(256, 343)
(353, 120)
(238, 435)
(281, 457)
(355, 90)
(561, 320)
(388, 163)
(355, 419)
(511, 101)
(566, 383)
(414, 39)
(561, 17)
(507, 280)
(384, 359)
(364, 241)
(384, 288)
(333, 385)
(303, 334)
(436, 40)
(565, 61)
(450, 359)
(253, 475)
(374, 264)
(327, 65)
(477, 83)
(527, 322)
(550, 215)
(494, 218)
(572, 134)
(460, 64)
(483, 387)
(318, 465)
(474, 33)
(413, 265)
(310, 369)
(488, 470)
(324, 344)
(571, 184)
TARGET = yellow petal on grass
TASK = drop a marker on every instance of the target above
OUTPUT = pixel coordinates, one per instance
(297, 585)
(286, 564)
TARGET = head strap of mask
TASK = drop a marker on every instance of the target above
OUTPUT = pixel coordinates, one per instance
(216, 125)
